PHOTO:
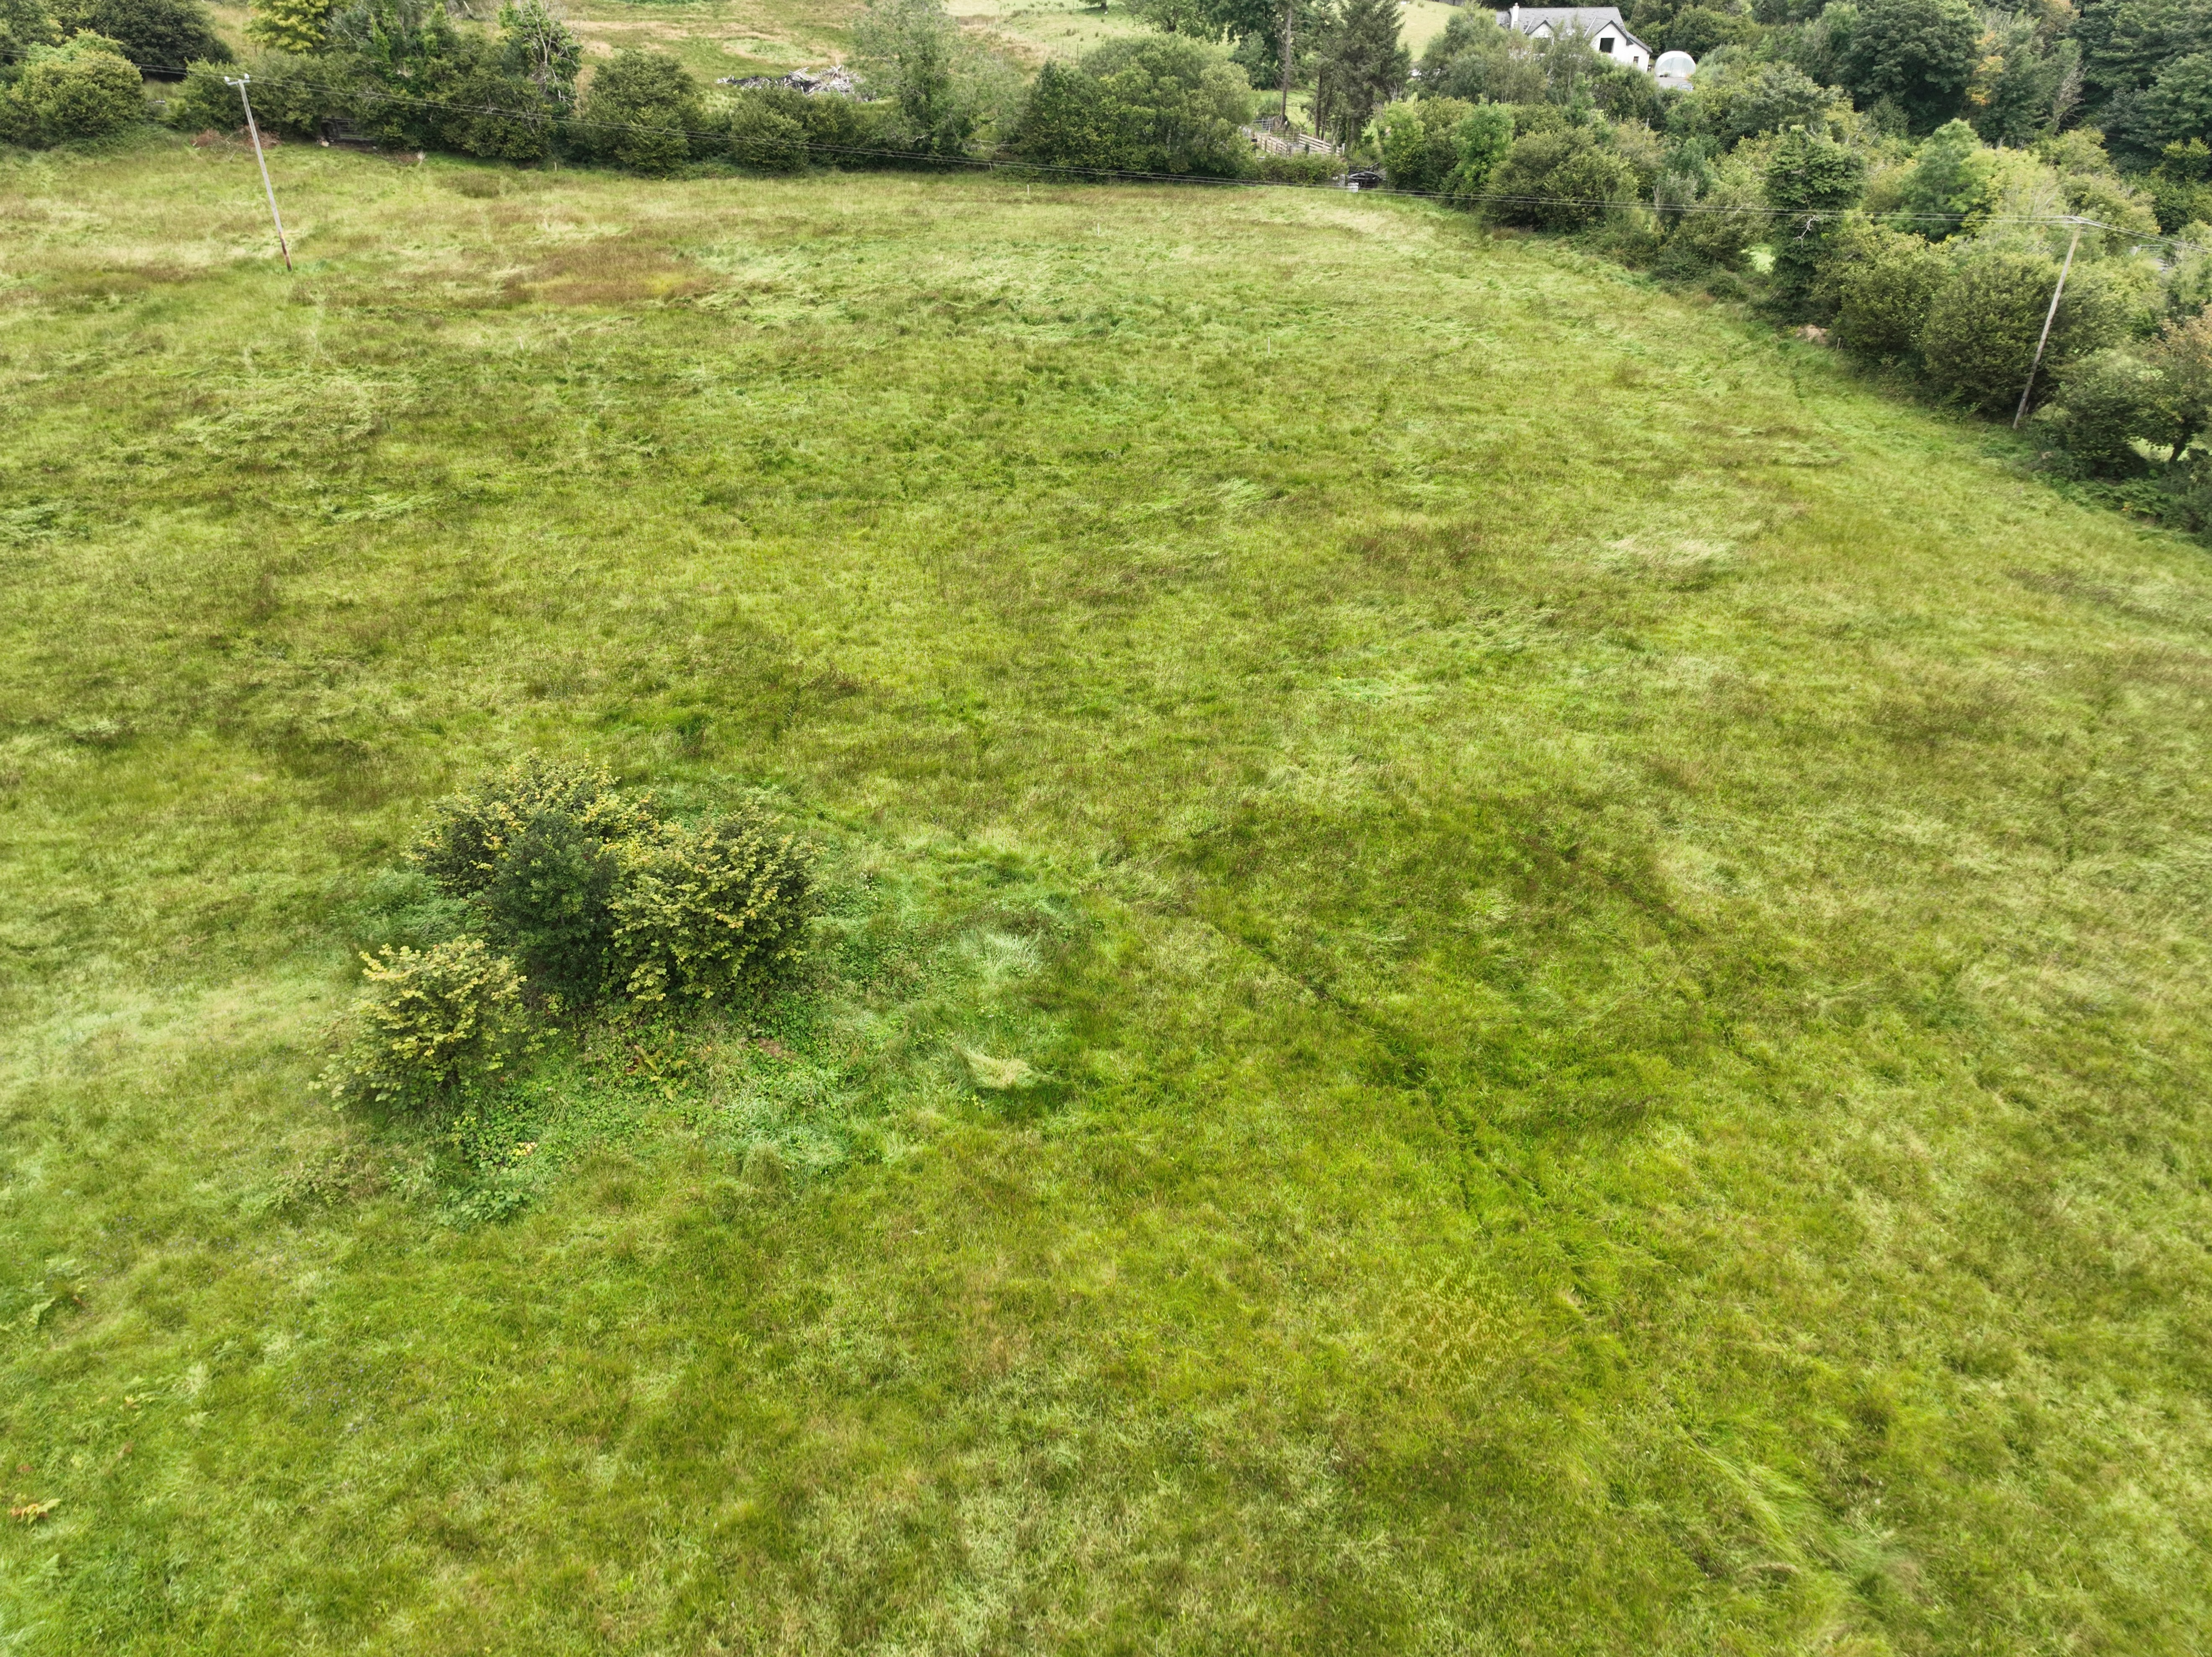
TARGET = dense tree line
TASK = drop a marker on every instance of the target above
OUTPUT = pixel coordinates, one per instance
(411, 74)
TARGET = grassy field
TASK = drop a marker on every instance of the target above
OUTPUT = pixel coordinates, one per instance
(1607, 925)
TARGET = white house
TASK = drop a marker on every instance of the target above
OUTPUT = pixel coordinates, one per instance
(1608, 34)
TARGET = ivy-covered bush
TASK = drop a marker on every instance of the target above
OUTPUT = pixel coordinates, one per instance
(2102, 405)
(762, 131)
(1155, 105)
(82, 89)
(1710, 229)
(1809, 180)
(432, 1023)
(708, 914)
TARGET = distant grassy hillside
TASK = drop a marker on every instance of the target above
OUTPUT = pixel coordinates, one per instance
(718, 38)
(726, 37)
(1607, 929)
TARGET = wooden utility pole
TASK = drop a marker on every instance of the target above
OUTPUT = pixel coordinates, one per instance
(2049, 317)
(1290, 22)
(240, 84)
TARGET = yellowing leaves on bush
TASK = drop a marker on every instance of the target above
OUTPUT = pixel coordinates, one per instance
(703, 913)
(430, 1019)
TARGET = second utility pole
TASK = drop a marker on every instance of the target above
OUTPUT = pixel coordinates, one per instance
(240, 84)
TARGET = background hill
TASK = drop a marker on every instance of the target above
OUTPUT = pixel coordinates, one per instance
(1507, 968)
(718, 38)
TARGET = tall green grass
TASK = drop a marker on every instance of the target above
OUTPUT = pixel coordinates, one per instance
(1599, 932)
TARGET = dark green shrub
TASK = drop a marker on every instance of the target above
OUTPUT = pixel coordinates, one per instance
(640, 112)
(2101, 405)
(1066, 123)
(1810, 179)
(1562, 179)
(203, 103)
(761, 131)
(2177, 105)
(159, 36)
(1702, 30)
(709, 914)
(547, 901)
(1948, 188)
(1297, 169)
(1713, 229)
(2181, 186)
(1623, 93)
(1884, 282)
(1156, 104)
(840, 131)
(470, 833)
(1633, 234)
(1736, 101)
(490, 111)
(1474, 60)
(1917, 54)
(2182, 354)
(85, 89)
(1979, 335)
(430, 1023)
(1982, 325)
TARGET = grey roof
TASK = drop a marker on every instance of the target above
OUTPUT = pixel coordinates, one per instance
(1589, 19)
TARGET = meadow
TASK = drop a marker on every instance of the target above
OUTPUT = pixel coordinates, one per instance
(1507, 966)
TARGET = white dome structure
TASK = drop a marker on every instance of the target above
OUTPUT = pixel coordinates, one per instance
(1674, 70)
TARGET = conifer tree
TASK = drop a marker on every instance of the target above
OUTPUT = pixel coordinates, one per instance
(290, 25)
(1361, 65)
